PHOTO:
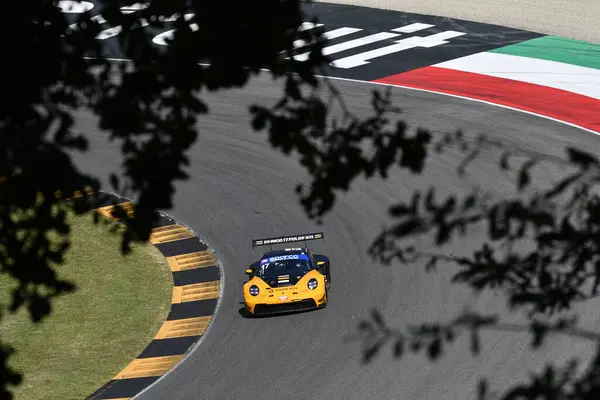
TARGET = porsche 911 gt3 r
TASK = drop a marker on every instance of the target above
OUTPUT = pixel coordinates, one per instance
(293, 279)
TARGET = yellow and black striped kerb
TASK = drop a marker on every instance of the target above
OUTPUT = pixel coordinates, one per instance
(196, 289)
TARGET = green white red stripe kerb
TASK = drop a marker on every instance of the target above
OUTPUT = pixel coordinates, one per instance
(550, 76)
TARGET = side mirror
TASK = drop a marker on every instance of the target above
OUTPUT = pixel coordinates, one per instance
(249, 271)
(321, 266)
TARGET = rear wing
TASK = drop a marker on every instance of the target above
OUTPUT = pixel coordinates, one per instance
(288, 239)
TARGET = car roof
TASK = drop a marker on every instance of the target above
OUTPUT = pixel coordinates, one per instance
(275, 253)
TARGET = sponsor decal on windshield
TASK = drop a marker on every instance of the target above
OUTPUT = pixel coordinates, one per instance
(284, 257)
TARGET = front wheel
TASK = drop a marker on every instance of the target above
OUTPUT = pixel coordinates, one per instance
(326, 296)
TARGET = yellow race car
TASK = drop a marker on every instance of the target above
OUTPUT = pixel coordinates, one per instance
(288, 280)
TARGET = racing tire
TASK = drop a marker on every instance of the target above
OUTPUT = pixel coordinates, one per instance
(246, 314)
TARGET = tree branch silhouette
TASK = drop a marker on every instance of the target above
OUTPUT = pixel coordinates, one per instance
(541, 248)
(150, 106)
(557, 268)
(432, 338)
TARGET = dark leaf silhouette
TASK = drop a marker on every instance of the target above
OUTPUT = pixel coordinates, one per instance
(399, 348)
(524, 175)
(372, 350)
(558, 269)
(150, 107)
(434, 349)
(475, 343)
(581, 158)
(482, 390)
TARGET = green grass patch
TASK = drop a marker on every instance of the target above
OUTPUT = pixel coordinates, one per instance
(118, 307)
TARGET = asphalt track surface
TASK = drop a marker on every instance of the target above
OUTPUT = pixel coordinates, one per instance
(573, 19)
(241, 189)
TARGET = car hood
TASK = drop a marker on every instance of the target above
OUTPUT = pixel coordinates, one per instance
(276, 281)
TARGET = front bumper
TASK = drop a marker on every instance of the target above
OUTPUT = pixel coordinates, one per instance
(319, 300)
(280, 308)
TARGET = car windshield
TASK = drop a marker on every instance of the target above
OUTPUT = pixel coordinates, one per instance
(276, 266)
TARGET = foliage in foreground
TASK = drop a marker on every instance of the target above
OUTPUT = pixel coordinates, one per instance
(151, 105)
(540, 248)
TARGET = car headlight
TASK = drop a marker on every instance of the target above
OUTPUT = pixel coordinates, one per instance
(312, 284)
(254, 290)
